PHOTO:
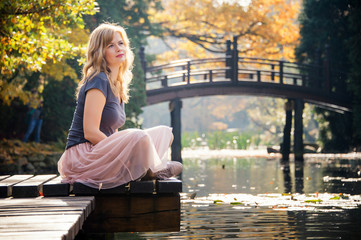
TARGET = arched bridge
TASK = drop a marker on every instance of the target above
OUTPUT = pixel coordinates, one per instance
(251, 76)
(235, 75)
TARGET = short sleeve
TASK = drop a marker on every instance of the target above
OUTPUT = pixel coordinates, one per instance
(100, 82)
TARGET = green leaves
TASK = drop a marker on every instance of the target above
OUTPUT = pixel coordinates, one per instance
(35, 31)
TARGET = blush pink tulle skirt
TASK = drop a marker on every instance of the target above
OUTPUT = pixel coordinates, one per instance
(122, 157)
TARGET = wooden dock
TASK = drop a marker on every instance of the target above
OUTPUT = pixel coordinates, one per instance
(43, 218)
(41, 207)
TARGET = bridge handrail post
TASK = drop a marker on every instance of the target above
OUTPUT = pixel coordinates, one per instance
(164, 81)
(272, 73)
(188, 72)
(229, 59)
(281, 72)
(235, 60)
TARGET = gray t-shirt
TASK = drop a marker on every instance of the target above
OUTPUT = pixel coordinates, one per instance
(113, 116)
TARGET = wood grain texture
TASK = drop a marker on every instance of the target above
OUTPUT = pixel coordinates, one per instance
(169, 186)
(7, 184)
(134, 207)
(32, 187)
(43, 218)
(55, 187)
(80, 189)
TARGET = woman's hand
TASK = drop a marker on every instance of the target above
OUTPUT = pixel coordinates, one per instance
(93, 109)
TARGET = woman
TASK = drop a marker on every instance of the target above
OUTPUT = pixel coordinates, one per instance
(97, 154)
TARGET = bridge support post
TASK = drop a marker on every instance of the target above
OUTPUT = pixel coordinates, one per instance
(298, 131)
(286, 145)
(175, 115)
(235, 60)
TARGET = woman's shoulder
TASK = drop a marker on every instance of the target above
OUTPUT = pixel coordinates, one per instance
(99, 81)
(101, 76)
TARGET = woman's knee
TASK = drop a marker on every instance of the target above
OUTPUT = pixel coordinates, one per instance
(144, 139)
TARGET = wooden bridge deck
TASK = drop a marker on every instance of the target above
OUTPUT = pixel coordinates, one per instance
(41, 207)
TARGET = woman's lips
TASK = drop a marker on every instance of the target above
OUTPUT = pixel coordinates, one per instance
(120, 55)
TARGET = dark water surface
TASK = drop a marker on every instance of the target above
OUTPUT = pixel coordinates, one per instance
(258, 198)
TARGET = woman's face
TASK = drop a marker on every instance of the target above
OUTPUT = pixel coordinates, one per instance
(115, 51)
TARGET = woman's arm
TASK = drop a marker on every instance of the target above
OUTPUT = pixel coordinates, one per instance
(93, 109)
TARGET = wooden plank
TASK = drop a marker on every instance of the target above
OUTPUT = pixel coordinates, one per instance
(69, 223)
(58, 218)
(142, 187)
(169, 186)
(135, 213)
(44, 211)
(55, 187)
(32, 187)
(7, 184)
(41, 235)
(80, 189)
(4, 176)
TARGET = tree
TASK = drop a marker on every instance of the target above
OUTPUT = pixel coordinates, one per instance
(354, 45)
(59, 105)
(133, 16)
(266, 28)
(325, 33)
(33, 32)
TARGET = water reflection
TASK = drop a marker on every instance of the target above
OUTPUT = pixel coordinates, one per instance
(246, 175)
(298, 176)
(253, 180)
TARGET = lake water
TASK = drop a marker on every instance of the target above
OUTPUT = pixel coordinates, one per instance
(262, 198)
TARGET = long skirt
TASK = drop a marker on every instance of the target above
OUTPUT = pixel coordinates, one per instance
(120, 158)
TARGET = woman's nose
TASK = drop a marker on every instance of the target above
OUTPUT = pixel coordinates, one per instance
(117, 48)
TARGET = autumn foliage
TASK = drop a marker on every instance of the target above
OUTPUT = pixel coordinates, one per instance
(265, 28)
(34, 32)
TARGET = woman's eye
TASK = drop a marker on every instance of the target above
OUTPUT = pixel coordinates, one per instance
(111, 45)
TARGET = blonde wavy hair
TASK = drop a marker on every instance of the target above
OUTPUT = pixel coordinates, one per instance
(96, 63)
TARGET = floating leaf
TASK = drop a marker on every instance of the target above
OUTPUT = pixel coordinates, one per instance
(286, 194)
(313, 201)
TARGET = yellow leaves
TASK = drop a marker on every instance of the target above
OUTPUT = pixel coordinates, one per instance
(261, 24)
(36, 31)
(77, 36)
(59, 70)
(8, 91)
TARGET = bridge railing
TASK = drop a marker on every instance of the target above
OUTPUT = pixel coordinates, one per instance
(277, 71)
(186, 71)
(192, 71)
